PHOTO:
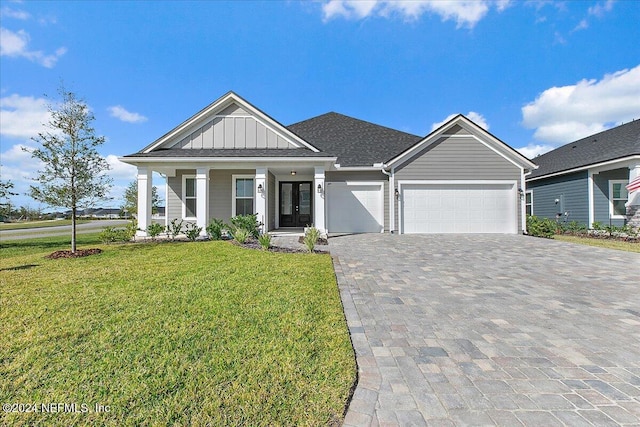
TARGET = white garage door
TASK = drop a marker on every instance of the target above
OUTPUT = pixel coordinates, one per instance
(355, 207)
(458, 208)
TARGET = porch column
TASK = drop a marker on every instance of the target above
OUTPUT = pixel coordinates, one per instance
(260, 196)
(633, 204)
(202, 199)
(318, 199)
(145, 182)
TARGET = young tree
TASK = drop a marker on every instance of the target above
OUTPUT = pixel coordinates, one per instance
(74, 172)
(131, 198)
(5, 201)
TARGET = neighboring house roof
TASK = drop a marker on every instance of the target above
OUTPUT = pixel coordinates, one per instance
(354, 142)
(619, 142)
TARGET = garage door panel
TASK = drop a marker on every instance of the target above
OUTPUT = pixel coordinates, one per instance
(354, 208)
(458, 208)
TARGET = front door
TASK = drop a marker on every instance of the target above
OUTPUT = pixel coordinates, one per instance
(295, 204)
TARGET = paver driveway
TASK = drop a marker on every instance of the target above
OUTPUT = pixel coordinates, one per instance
(490, 330)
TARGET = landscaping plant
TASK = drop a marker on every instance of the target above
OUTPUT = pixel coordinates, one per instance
(311, 237)
(241, 235)
(265, 241)
(154, 230)
(247, 222)
(192, 231)
(174, 228)
(541, 227)
(214, 229)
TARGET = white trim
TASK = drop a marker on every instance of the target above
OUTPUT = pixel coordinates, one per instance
(202, 199)
(355, 183)
(525, 202)
(357, 168)
(513, 183)
(233, 191)
(183, 196)
(135, 160)
(220, 104)
(610, 197)
(590, 198)
(319, 212)
(261, 200)
(592, 167)
(144, 180)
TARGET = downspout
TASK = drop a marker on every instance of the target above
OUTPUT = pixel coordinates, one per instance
(392, 201)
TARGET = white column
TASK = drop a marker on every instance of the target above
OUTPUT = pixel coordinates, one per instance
(260, 196)
(202, 199)
(318, 199)
(145, 182)
(634, 197)
(392, 201)
(592, 211)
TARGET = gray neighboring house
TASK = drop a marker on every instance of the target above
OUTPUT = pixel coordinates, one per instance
(338, 173)
(585, 180)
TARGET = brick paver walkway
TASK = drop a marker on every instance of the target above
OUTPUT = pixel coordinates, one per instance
(490, 330)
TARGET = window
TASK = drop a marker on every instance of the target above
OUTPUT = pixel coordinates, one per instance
(618, 196)
(243, 196)
(189, 197)
(528, 202)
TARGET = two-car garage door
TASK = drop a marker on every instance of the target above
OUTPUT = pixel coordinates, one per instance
(469, 207)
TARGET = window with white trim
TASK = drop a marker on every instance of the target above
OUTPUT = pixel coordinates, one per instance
(618, 196)
(528, 202)
(189, 197)
(243, 193)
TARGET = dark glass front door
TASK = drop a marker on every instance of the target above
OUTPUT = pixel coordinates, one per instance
(295, 204)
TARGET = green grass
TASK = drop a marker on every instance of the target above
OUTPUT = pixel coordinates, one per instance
(38, 224)
(202, 333)
(602, 243)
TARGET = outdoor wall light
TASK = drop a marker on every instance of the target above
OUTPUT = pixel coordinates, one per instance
(293, 173)
(396, 193)
(260, 188)
(319, 188)
(520, 192)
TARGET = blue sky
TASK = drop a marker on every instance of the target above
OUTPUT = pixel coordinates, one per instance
(538, 74)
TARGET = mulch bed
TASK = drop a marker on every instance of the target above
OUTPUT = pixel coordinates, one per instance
(77, 254)
(252, 244)
(320, 241)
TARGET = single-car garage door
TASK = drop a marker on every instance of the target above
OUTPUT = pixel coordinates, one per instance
(355, 207)
(458, 208)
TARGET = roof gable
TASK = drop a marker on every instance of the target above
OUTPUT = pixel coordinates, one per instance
(616, 143)
(229, 123)
(461, 126)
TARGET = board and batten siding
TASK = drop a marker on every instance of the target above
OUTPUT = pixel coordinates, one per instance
(364, 176)
(233, 128)
(601, 195)
(571, 191)
(451, 159)
(220, 192)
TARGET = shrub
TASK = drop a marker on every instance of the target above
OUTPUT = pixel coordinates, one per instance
(131, 229)
(541, 227)
(174, 228)
(574, 227)
(247, 222)
(265, 241)
(241, 235)
(110, 235)
(154, 230)
(192, 231)
(597, 226)
(214, 229)
(311, 237)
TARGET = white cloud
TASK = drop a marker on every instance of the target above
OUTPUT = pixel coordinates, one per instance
(120, 170)
(601, 8)
(477, 118)
(22, 116)
(533, 150)
(119, 112)
(7, 12)
(15, 45)
(466, 13)
(582, 25)
(563, 114)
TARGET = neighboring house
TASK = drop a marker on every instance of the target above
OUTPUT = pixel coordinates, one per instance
(103, 213)
(159, 213)
(585, 181)
(335, 172)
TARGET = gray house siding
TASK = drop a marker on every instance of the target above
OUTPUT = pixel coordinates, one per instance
(174, 193)
(601, 195)
(571, 191)
(458, 159)
(338, 176)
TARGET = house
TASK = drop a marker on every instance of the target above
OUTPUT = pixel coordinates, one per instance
(585, 180)
(338, 173)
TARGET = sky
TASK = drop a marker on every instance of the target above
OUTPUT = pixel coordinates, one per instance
(536, 74)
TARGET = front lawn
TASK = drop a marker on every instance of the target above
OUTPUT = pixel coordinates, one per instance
(602, 243)
(202, 333)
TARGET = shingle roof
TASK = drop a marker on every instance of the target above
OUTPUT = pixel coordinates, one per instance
(621, 141)
(249, 152)
(355, 142)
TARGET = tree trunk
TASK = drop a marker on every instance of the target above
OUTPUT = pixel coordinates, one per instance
(73, 229)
